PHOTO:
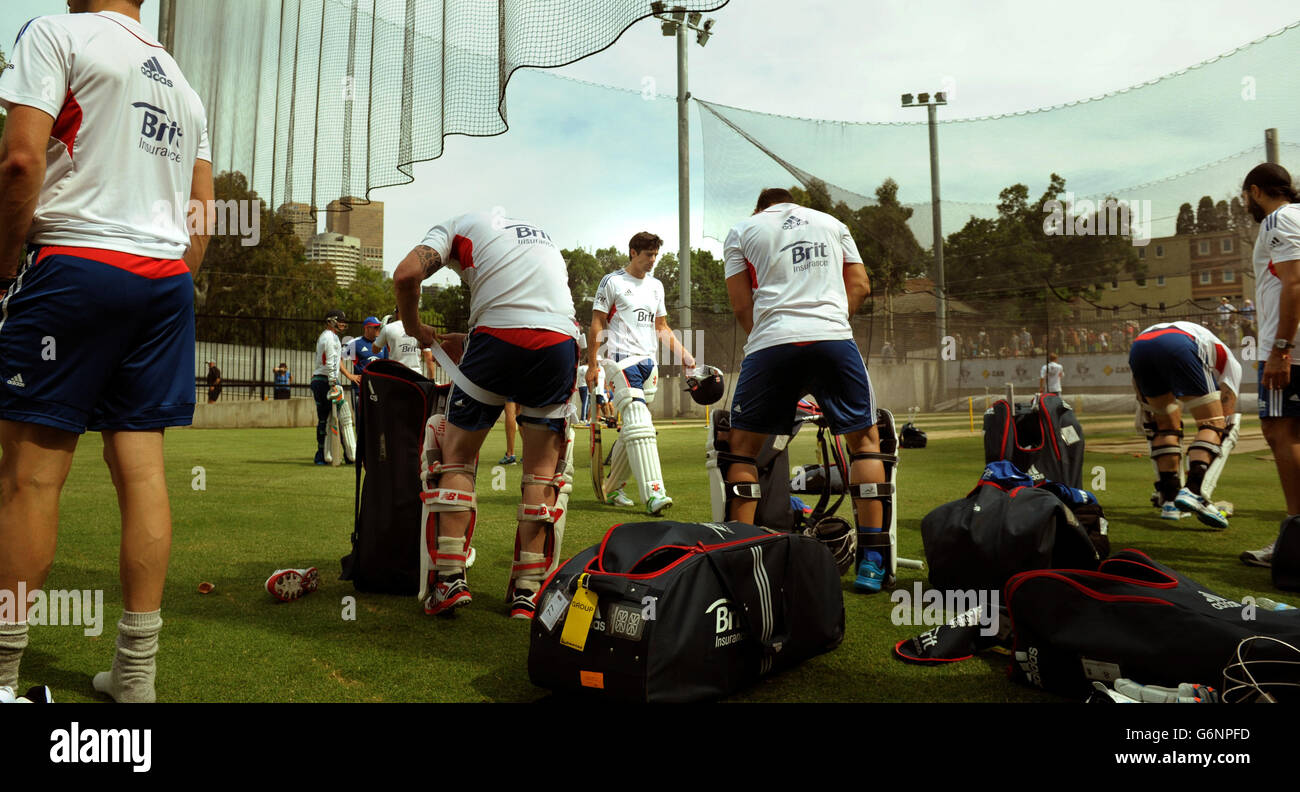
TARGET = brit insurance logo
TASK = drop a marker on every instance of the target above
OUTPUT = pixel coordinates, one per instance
(528, 235)
(154, 71)
(805, 254)
(160, 135)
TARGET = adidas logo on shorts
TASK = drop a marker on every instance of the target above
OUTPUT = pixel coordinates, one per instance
(16, 381)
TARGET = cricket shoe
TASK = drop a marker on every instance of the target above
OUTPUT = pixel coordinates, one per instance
(449, 593)
(288, 585)
(39, 694)
(508, 459)
(658, 504)
(523, 605)
(1205, 511)
(871, 576)
(1170, 512)
(1263, 557)
(619, 498)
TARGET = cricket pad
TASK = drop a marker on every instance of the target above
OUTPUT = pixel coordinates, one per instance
(685, 612)
(392, 408)
(1138, 619)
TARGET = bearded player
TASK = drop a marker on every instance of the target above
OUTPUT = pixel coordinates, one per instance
(1176, 366)
(794, 277)
(628, 320)
(522, 346)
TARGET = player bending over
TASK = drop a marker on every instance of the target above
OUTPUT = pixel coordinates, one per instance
(794, 277)
(522, 346)
(1182, 362)
(628, 320)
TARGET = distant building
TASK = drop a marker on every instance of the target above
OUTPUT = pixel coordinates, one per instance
(353, 217)
(303, 219)
(341, 252)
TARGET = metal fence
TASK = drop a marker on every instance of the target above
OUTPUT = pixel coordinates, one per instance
(247, 351)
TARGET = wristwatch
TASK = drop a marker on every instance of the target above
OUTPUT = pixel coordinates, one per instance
(1282, 344)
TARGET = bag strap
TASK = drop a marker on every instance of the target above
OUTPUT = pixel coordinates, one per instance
(750, 586)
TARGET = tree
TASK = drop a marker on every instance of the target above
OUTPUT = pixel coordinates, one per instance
(585, 273)
(1186, 222)
(708, 282)
(1208, 218)
(450, 304)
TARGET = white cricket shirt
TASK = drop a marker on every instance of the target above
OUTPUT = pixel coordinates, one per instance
(633, 304)
(1278, 240)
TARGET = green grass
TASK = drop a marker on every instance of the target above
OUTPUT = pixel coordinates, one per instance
(266, 506)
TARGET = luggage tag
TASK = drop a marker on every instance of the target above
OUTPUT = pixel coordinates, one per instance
(555, 605)
(578, 621)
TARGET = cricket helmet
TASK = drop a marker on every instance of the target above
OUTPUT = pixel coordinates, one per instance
(705, 384)
(335, 317)
(840, 538)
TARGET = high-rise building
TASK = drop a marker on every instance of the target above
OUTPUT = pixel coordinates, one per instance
(365, 221)
(341, 252)
(303, 220)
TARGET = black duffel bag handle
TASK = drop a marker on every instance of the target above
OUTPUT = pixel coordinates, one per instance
(758, 626)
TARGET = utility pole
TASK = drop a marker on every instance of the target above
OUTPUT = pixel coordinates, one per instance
(1270, 145)
(167, 24)
(940, 288)
(675, 23)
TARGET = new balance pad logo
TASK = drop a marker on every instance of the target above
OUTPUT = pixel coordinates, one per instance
(98, 746)
(154, 71)
(16, 381)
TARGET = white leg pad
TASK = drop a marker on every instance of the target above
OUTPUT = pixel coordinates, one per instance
(347, 430)
(619, 466)
(642, 450)
(1216, 465)
(437, 553)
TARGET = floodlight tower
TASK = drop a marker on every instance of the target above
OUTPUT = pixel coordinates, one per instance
(676, 22)
(930, 103)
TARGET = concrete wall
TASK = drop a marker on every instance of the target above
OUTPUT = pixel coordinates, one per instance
(255, 414)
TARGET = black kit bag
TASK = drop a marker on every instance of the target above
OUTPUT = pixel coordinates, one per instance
(1286, 556)
(1137, 619)
(1003, 526)
(686, 612)
(392, 407)
(1042, 438)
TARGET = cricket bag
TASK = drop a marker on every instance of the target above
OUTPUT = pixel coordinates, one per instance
(1042, 438)
(1286, 556)
(1136, 618)
(1003, 526)
(678, 612)
(392, 408)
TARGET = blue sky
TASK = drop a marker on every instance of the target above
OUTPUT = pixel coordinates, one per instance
(591, 171)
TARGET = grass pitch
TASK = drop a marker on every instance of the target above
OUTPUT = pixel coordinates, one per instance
(263, 505)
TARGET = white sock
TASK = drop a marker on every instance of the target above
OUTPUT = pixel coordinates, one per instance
(131, 680)
(13, 640)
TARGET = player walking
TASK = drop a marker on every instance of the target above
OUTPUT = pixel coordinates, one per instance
(794, 277)
(522, 346)
(628, 320)
(1049, 378)
(1274, 203)
(97, 328)
(1183, 362)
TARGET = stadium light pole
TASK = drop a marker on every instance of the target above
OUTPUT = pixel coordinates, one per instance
(167, 24)
(676, 22)
(930, 103)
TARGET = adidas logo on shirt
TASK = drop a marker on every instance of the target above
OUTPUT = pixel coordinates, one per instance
(154, 71)
(793, 222)
(16, 381)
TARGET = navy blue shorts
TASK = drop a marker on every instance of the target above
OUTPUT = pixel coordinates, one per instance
(772, 381)
(529, 377)
(1168, 362)
(1283, 403)
(86, 344)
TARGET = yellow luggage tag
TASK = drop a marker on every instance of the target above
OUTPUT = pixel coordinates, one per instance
(578, 621)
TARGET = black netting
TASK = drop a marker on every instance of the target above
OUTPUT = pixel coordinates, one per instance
(320, 99)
